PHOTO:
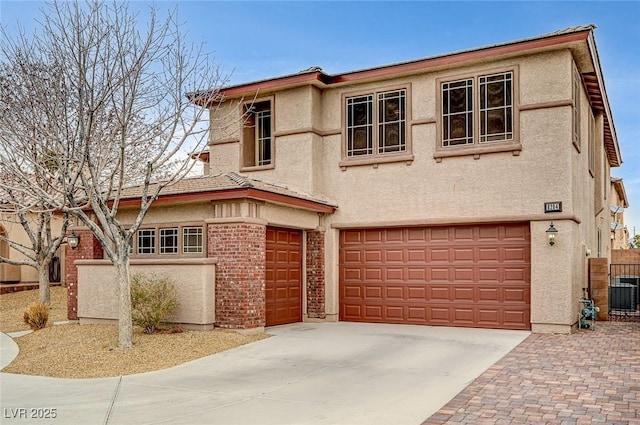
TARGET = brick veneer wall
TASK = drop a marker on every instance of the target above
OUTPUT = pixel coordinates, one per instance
(599, 283)
(625, 256)
(89, 247)
(239, 249)
(315, 275)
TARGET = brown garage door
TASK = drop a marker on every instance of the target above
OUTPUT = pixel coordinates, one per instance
(473, 276)
(283, 276)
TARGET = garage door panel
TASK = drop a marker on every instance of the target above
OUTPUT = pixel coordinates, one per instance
(394, 275)
(393, 235)
(374, 312)
(394, 293)
(439, 292)
(373, 292)
(517, 275)
(489, 274)
(440, 314)
(462, 254)
(417, 314)
(416, 255)
(417, 293)
(440, 254)
(489, 294)
(517, 233)
(352, 291)
(463, 294)
(490, 317)
(394, 313)
(463, 315)
(489, 254)
(416, 234)
(373, 275)
(516, 295)
(353, 256)
(463, 274)
(477, 275)
(415, 274)
(518, 254)
(439, 234)
(463, 233)
(488, 233)
(373, 256)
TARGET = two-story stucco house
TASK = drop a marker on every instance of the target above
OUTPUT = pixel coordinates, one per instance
(421, 192)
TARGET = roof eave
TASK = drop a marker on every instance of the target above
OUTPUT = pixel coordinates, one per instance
(612, 147)
(237, 193)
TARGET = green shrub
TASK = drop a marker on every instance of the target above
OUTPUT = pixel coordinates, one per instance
(36, 316)
(153, 299)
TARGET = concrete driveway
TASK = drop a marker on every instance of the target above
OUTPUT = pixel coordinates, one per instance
(326, 373)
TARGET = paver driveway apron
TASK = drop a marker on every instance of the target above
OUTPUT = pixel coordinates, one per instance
(325, 373)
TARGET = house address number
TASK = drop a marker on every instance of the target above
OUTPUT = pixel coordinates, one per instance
(550, 207)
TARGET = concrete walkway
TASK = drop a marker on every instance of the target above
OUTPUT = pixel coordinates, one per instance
(590, 377)
(329, 373)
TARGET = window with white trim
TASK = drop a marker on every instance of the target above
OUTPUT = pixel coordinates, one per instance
(376, 123)
(146, 241)
(478, 110)
(192, 240)
(168, 241)
(257, 137)
(176, 241)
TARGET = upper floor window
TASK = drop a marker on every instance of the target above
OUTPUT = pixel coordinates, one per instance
(478, 110)
(257, 138)
(376, 123)
(576, 108)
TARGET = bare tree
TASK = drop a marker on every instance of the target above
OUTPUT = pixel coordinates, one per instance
(27, 162)
(118, 115)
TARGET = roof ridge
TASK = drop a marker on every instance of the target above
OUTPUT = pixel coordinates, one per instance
(238, 179)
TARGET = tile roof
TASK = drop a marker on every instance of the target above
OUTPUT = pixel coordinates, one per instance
(220, 182)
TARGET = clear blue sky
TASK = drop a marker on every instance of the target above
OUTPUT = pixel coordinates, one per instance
(257, 40)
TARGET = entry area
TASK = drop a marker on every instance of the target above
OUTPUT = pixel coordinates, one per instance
(464, 275)
(283, 276)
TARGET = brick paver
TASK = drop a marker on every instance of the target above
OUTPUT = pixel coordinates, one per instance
(584, 378)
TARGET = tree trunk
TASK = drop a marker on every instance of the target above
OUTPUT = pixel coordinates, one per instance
(125, 327)
(44, 294)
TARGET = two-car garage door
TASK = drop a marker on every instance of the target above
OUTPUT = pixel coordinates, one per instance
(472, 276)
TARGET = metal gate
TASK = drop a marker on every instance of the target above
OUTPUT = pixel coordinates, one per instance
(624, 292)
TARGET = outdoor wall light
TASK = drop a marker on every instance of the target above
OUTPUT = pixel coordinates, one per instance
(551, 234)
(73, 240)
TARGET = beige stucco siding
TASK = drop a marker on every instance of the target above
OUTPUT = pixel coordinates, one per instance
(194, 280)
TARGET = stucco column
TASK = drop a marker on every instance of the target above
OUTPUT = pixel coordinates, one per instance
(239, 250)
(554, 270)
(315, 274)
(88, 248)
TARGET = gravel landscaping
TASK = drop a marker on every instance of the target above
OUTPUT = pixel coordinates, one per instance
(91, 351)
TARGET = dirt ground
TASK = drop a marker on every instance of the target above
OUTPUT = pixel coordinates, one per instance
(91, 351)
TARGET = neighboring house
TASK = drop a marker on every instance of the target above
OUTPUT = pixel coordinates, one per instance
(619, 201)
(11, 229)
(421, 193)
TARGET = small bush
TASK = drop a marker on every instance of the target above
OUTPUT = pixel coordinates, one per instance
(36, 316)
(153, 299)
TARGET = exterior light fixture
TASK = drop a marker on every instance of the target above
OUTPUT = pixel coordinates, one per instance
(73, 240)
(551, 234)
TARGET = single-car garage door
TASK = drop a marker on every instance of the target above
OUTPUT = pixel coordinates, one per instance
(472, 276)
(283, 296)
